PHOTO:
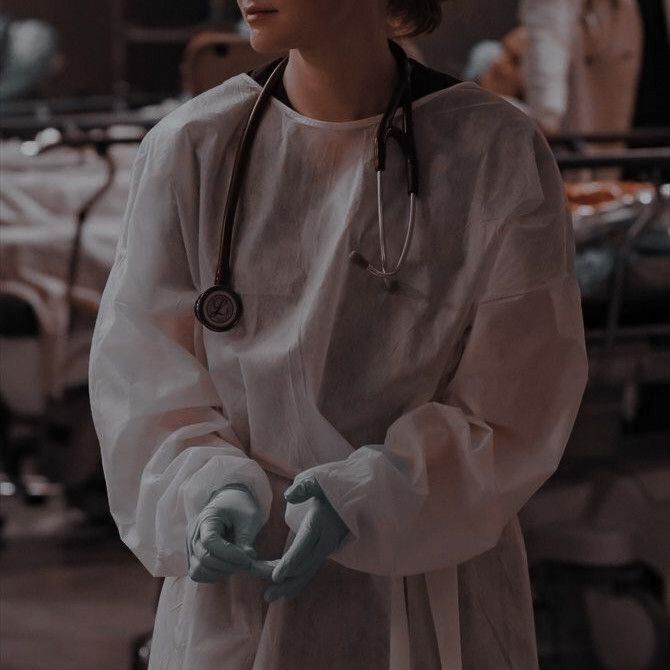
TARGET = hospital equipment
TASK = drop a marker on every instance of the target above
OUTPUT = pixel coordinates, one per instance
(596, 534)
(61, 207)
(219, 308)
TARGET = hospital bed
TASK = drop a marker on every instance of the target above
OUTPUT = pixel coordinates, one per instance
(23, 119)
(61, 206)
(49, 314)
(597, 534)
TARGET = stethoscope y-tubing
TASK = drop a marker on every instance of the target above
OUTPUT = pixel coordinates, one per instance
(386, 129)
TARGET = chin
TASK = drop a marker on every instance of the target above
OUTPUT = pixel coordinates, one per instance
(263, 46)
(269, 41)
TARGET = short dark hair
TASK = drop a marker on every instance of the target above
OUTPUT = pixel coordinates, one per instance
(409, 18)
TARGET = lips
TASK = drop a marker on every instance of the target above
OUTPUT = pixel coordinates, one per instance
(255, 9)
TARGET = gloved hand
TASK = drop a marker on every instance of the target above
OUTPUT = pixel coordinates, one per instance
(220, 539)
(320, 533)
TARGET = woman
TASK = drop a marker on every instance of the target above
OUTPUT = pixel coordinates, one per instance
(413, 423)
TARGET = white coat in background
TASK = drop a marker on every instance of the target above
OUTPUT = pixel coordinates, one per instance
(582, 63)
(429, 416)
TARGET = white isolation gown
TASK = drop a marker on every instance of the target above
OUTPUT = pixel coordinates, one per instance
(429, 415)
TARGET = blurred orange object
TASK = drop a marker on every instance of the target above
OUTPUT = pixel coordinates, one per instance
(595, 196)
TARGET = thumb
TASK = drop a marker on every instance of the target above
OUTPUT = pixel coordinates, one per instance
(244, 535)
(249, 550)
(303, 490)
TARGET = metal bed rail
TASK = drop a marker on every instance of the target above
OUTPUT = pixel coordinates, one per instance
(100, 142)
(27, 127)
(640, 137)
(612, 354)
(38, 108)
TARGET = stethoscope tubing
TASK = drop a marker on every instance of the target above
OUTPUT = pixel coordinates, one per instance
(219, 307)
(384, 272)
(223, 272)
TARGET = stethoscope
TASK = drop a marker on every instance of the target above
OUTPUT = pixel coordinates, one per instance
(219, 307)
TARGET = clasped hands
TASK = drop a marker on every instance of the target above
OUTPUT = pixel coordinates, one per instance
(220, 540)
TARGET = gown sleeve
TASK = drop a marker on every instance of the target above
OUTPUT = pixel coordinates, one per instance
(166, 445)
(453, 472)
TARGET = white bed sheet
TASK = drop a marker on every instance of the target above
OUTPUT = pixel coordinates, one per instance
(39, 199)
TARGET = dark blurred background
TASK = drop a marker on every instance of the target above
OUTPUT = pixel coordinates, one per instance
(80, 84)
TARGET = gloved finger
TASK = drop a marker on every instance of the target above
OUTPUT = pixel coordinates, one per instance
(219, 547)
(245, 532)
(249, 551)
(303, 490)
(201, 574)
(210, 527)
(309, 564)
(297, 556)
(263, 569)
(205, 558)
(291, 587)
(228, 552)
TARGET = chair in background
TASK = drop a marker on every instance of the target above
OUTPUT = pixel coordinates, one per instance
(212, 57)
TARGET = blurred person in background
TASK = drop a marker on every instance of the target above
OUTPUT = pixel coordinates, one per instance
(582, 63)
(573, 65)
(28, 55)
(496, 66)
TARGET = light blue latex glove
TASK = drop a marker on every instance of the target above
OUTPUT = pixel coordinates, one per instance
(320, 533)
(220, 540)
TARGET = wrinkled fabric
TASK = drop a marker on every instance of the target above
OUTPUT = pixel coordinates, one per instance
(428, 416)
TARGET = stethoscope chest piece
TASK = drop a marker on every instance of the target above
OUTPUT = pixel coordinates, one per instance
(218, 308)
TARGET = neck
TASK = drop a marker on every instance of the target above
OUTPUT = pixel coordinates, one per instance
(343, 81)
